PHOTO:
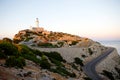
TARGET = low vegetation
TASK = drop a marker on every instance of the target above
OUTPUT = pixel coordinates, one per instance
(15, 55)
(44, 63)
(74, 66)
(63, 72)
(90, 51)
(108, 74)
(46, 45)
(2, 55)
(14, 61)
(84, 56)
(10, 52)
(73, 43)
(118, 71)
(78, 61)
(60, 44)
(54, 55)
(8, 48)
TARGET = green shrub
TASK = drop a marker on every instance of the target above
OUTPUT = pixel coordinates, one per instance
(73, 43)
(118, 71)
(90, 51)
(74, 66)
(44, 63)
(62, 71)
(54, 55)
(13, 61)
(26, 50)
(78, 61)
(46, 45)
(29, 54)
(108, 74)
(56, 62)
(83, 56)
(8, 48)
(37, 52)
(32, 58)
(20, 62)
(2, 55)
(60, 44)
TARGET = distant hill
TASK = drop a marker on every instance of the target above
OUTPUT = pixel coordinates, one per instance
(43, 38)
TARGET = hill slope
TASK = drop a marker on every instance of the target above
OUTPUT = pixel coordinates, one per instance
(47, 55)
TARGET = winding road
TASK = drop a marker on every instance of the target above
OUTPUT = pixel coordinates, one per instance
(89, 68)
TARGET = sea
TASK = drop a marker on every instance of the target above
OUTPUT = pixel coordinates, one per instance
(115, 44)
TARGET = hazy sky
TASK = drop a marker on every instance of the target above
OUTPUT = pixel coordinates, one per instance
(96, 19)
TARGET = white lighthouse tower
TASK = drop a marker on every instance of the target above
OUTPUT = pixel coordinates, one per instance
(37, 28)
(37, 22)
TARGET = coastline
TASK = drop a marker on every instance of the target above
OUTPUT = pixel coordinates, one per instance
(113, 43)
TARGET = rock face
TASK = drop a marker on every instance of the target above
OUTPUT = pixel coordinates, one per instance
(38, 37)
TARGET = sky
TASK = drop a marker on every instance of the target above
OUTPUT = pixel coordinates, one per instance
(95, 19)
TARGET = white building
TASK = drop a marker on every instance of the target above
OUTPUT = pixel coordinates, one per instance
(37, 28)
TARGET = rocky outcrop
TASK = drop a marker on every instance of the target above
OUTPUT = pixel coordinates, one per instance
(37, 37)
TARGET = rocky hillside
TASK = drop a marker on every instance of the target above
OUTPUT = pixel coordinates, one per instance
(43, 38)
(37, 54)
(19, 62)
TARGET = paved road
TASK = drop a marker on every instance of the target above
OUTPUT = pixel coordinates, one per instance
(89, 68)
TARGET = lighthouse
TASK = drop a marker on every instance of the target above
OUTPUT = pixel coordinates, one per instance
(37, 28)
(37, 22)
